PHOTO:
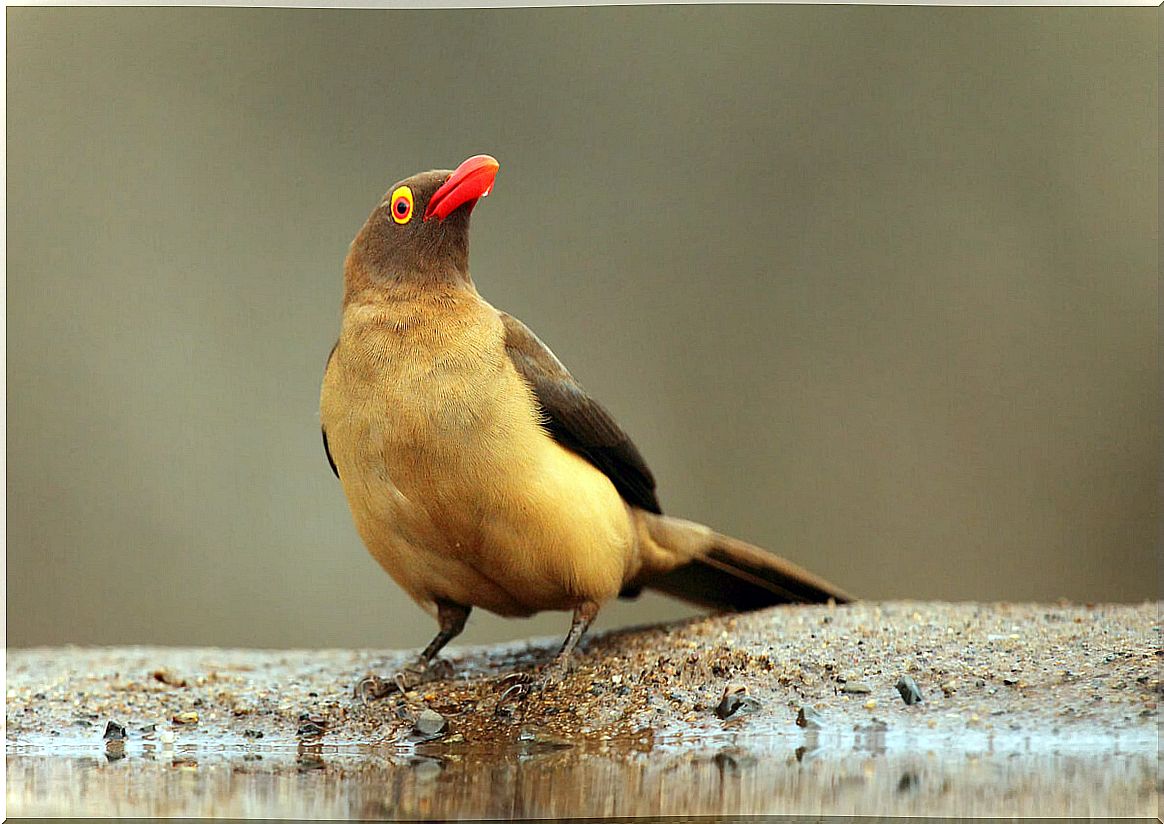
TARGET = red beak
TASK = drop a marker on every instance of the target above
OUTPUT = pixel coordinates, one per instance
(472, 181)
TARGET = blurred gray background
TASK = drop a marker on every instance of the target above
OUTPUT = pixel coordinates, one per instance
(875, 288)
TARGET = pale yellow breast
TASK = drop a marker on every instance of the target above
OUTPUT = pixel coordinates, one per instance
(454, 486)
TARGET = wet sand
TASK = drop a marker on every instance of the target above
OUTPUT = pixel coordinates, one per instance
(1026, 709)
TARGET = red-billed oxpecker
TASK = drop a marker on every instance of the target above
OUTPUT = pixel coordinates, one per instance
(478, 471)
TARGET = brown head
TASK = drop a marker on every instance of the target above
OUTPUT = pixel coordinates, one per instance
(418, 236)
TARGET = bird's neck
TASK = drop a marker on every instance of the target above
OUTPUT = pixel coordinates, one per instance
(385, 330)
(367, 281)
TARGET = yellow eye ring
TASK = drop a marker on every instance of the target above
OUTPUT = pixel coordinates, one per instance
(400, 204)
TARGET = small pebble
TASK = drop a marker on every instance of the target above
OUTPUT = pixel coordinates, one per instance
(114, 731)
(168, 678)
(910, 693)
(311, 725)
(429, 724)
(185, 718)
(856, 688)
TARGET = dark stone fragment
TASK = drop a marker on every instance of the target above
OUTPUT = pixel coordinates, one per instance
(311, 725)
(908, 689)
(809, 718)
(736, 702)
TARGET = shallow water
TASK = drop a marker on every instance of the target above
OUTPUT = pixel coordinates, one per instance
(1028, 710)
(871, 772)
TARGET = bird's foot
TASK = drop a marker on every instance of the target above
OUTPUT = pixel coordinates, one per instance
(372, 687)
(422, 672)
(520, 686)
(516, 685)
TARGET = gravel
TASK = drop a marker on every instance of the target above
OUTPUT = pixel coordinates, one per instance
(1033, 680)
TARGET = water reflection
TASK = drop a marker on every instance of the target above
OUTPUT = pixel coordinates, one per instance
(802, 774)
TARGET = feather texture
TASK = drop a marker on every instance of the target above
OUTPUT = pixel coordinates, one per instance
(577, 421)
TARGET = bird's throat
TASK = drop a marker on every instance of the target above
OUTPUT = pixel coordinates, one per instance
(375, 281)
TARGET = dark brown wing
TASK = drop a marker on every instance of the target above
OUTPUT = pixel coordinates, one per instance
(577, 421)
(326, 450)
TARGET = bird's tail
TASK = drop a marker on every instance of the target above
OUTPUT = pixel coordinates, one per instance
(692, 562)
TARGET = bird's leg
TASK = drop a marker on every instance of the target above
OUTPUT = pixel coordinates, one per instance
(584, 615)
(452, 618)
(519, 684)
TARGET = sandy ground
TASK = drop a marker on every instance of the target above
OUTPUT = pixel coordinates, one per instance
(1025, 710)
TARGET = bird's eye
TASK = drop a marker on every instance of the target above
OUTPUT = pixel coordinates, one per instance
(401, 204)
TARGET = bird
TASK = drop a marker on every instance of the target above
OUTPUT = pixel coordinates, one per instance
(478, 471)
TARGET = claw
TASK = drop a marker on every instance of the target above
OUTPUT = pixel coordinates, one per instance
(519, 690)
(371, 688)
(511, 680)
(515, 686)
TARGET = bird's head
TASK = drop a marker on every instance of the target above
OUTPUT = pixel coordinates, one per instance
(419, 233)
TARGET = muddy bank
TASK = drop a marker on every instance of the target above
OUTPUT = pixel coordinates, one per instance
(1042, 709)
